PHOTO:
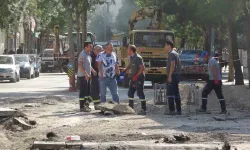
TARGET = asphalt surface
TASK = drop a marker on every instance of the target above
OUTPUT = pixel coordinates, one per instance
(56, 84)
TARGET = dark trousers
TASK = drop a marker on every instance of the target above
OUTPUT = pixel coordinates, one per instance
(84, 91)
(137, 86)
(207, 90)
(173, 93)
(95, 89)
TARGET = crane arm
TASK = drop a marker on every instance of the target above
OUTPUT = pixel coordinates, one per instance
(155, 14)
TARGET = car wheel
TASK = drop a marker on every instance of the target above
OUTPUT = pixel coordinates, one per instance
(32, 76)
(29, 76)
(13, 80)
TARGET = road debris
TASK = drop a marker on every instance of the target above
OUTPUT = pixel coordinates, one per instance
(8, 112)
(116, 108)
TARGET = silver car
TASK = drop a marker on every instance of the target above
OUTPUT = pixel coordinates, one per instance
(9, 70)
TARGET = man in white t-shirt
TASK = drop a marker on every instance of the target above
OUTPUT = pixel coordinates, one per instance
(108, 69)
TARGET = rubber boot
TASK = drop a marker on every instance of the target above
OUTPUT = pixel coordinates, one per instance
(81, 103)
(143, 108)
(131, 104)
(171, 105)
(223, 107)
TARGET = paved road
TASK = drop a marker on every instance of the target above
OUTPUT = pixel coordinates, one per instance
(57, 84)
(49, 84)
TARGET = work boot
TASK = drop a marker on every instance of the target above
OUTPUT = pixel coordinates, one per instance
(179, 113)
(202, 110)
(223, 107)
(204, 104)
(81, 104)
(170, 113)
(85, 109)
(143, 108)
(131, 104)
(171, 105)
(142, 112)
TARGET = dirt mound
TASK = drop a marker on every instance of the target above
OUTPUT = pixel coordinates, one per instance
(236, 97)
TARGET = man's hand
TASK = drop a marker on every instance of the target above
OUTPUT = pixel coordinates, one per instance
(124, 70)
(135, 78)
(216, 82)
(87, 77)
(94, 73)
(169, 79)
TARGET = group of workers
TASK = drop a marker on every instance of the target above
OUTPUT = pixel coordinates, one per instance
(98, 69)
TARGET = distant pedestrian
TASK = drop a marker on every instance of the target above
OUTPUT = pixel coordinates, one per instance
(138, 77)
(108, 69)
(5, 52)
(95, 88)
(225, 58)
(173, 79)
(11, 52)
(84, 76)
(214, 83)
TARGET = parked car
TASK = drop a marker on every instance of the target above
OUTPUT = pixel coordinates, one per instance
(48, 62)
(37, 64)
(9, 70)
(26, 66)
(193, 66)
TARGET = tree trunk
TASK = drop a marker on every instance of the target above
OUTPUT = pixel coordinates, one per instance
(239, 80)
(15, 34)
(230, 64)
(78, 32)
(207, 45)
(247, 30)
(71, 47)
(84, 26)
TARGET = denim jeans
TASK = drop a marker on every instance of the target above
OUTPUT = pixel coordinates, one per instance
(110, 83)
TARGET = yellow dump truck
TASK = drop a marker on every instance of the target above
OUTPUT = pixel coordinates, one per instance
(150, 44)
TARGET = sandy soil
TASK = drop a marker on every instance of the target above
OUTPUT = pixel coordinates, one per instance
(61, 116)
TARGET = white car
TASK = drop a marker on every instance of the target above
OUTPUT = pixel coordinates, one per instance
(9, 70)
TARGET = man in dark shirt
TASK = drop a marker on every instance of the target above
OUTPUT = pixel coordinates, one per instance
(95, 88)
(137, 82)
(173, 74)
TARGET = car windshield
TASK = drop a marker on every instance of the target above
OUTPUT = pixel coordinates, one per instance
(189, 55)
(152, 39)
(48, 54)
(6, 60)
(22, 59)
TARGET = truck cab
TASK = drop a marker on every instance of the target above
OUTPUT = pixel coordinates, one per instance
(47, 61)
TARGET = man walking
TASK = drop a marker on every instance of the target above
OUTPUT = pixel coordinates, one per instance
(84, 75)
(108, 69)
(214, 83)
(95, 88)
(173, 74)
(138, 77)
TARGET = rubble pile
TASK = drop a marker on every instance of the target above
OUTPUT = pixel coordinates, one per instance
(15, 120)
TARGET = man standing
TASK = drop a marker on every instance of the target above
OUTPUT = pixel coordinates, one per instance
(225, 58)
(138, 77)
(108, 69)
(95, 88)
(173, 74)
(84, 75)
(214, 83)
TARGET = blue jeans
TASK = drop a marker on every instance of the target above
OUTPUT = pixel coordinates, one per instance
(110, 83)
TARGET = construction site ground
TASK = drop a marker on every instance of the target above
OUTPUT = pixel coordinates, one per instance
(59, 113)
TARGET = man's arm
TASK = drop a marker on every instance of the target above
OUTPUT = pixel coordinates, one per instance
(142, 67)
(172, 65)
